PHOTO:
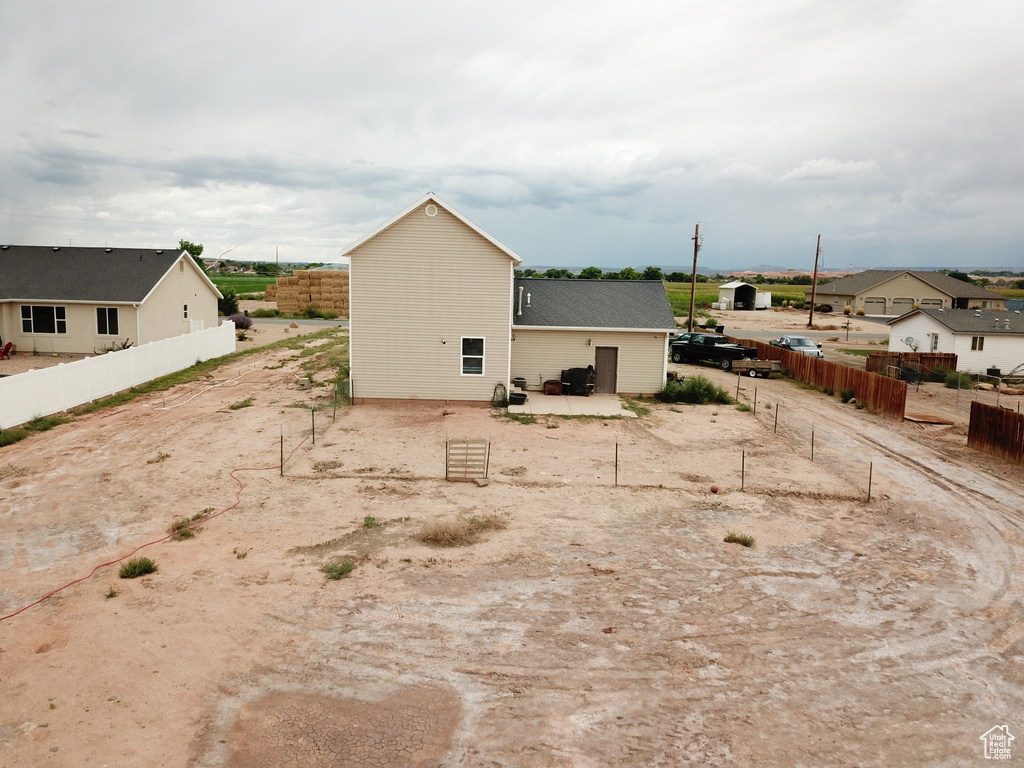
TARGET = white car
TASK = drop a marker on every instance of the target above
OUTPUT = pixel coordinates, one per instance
(800, 344)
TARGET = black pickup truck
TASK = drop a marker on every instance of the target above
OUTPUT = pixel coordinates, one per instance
(691, 347)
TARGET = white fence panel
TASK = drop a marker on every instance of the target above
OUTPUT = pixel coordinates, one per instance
(52, 390)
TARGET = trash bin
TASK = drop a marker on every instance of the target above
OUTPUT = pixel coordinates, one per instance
(519, 382)
(719, 329)
(517, 398)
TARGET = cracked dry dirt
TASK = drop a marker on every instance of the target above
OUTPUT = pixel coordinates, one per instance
(603, 626)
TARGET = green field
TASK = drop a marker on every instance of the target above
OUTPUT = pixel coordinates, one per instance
(242, 283)
(679, 295)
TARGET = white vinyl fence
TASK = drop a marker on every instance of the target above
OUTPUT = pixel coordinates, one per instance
(42, 392)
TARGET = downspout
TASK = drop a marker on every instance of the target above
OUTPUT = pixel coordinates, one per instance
(138, 326)
(519, 306)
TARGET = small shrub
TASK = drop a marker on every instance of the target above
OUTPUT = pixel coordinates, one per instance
(739, 538)
(846, 394)
(695, 390)
(370, 522)
(242, 404)
(337, 571)
(242, 322)
(743, 407)
(139, 566)
(959, 380)
(936, 374)
(860, 311)
(111, 593)
(183, 527)
(823, 308)
(265, 313)
(228, 305)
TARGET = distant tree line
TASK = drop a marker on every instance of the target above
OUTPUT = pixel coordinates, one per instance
(655, 273)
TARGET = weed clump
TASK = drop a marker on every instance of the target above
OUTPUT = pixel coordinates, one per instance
(185, 527)
(241, 404)
(139, 566)
(335, 571)
(958, 380)
(846, 394)
(739, 538)
(457, 532)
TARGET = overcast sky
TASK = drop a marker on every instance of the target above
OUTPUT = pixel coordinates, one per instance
(576, 133)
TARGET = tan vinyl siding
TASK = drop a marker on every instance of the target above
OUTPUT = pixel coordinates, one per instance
(542, 354)
(81, 337)
(417, 282)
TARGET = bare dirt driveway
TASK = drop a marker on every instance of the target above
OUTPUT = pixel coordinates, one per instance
(605, 625)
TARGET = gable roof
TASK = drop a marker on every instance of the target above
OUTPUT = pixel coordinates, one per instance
(574, 303)
(851, 285)
(88, 275)
(990, 322)
(430, 197)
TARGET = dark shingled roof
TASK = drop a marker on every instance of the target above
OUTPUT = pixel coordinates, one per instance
(851, 285)
(990, 322)
(42, 273)
(569, 303)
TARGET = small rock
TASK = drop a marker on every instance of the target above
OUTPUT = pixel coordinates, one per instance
(112, 698)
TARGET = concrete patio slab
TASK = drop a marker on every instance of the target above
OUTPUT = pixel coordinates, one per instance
(537, 404)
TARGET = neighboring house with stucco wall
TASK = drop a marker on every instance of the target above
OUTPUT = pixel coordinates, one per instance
(896, 292)
(71, 300)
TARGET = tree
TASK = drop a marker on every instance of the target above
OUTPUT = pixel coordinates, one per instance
(801, 280)
(563, 273)
(629, 274)
(228, 305)
(652, 273)
(590, 273)
(963, 276)
(195, 250)
(678, 277)
(265, 268)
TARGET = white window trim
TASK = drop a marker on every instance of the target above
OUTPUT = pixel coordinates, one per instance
(482, 356)
(977, 343)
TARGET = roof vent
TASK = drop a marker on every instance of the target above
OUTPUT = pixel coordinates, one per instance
(55, 249)
(107, 250)
(4, 247)
(160, 251)
(431, 210)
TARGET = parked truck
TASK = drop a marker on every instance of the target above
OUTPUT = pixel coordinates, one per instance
(710, 347)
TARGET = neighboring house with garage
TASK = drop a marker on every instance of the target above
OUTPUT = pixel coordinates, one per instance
(71, 300)
(432, 316)
(896, 292)
(981, 339)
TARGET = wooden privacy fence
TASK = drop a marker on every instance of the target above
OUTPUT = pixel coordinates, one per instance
(997, 431)
(878, 393)
(923, 362)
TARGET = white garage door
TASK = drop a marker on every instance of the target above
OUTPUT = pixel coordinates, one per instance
(931, 303)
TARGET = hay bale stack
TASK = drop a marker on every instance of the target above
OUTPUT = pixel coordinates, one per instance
(326, 290)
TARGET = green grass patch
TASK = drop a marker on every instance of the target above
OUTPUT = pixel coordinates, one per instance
(859, 352)
(743, 407)
(185, 527)
(243, 283)
(739, 538)
(242, 404)
(339, 570)
(635, 407)
(11, 436)
(139, 566)
(522, 418)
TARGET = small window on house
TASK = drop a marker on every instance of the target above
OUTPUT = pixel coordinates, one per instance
(977, 343)
(106, 321)
(36, 319)
(185, 312)
(472, 356)
(986, 305)
(935, 341)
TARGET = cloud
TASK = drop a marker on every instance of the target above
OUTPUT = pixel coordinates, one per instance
(827, 170)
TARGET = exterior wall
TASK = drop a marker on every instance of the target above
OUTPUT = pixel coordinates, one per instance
(416, 289)
(81, 337)
(539, 354)
(1002, 350)
(161, 314)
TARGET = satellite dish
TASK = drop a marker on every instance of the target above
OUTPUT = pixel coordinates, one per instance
(909, 341)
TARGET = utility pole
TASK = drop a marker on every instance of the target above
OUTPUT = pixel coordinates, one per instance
(693, 275)
(814, 283)
(277, 258)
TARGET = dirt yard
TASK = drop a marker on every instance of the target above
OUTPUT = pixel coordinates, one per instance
(605, 625)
